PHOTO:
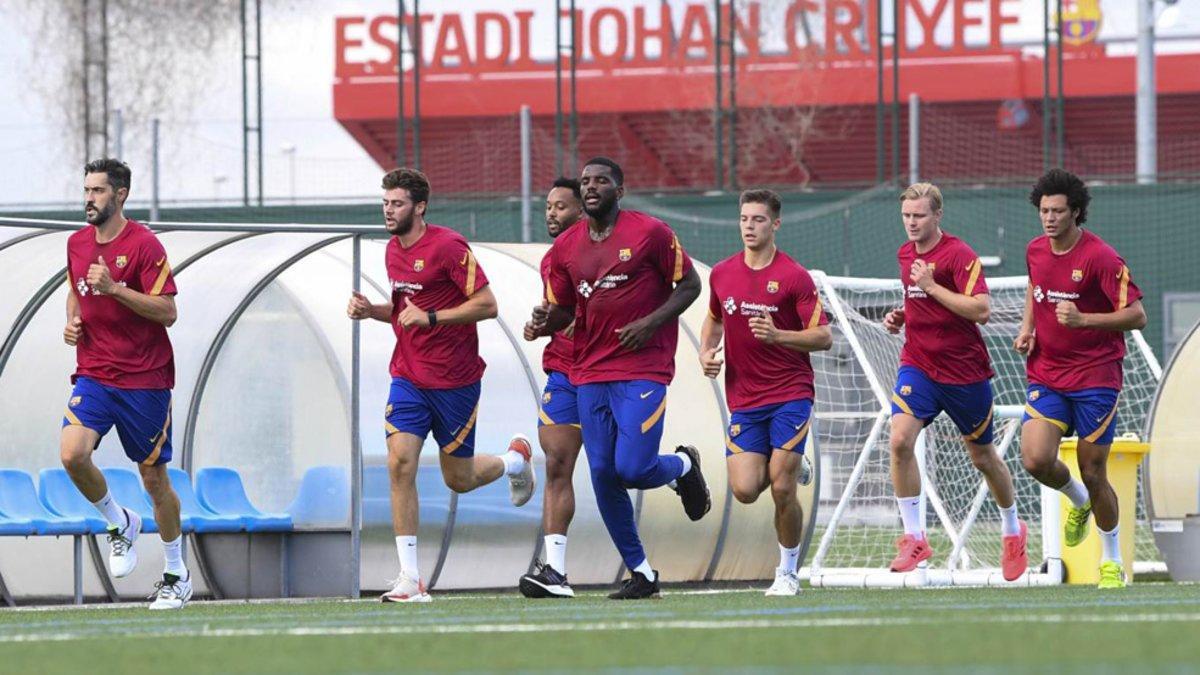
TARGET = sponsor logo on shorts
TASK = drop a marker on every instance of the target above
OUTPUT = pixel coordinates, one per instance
(1076, 275)
(625, 254)
(772, 286)
(122, 261)
(735, 429)
(646, 394)
(418, 264)
(75, 400)
(905, 390)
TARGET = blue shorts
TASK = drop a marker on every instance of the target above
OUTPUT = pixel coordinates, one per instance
(969, 406)
(449, 413)
(1089, 413)
(559, 401)
(142, 417)
(780, 425)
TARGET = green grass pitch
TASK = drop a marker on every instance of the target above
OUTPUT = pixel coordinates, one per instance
(1149, 627)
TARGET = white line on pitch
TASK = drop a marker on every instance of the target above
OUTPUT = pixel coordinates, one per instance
(606, 626)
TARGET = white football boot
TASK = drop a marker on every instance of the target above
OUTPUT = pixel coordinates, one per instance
(121, 556)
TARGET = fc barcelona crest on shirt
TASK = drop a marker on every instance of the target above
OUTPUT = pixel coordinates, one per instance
(772, 286)
(625, 254)
(905, 390)
(122, 261)
(1076, 275)
(418, 264)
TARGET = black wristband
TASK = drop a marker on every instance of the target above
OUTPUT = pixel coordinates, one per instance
(432, 318)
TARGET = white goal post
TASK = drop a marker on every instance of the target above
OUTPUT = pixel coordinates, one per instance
(857, 519)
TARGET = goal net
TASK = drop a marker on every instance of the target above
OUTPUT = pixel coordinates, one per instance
(858, 521)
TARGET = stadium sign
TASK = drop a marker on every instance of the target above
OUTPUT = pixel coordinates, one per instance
(656, 35)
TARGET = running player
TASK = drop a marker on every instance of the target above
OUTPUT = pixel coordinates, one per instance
(439, 293)
(558, 420)
(944, 366)
(766, 306)
(627, 279)
(120, 302)
(1079, 303)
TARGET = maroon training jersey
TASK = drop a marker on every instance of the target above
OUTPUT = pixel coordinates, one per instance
(945, 346)
(560, 353)
(1096, 279)
(439, 271)
(758, 374)
(119, 348)
(612, 283)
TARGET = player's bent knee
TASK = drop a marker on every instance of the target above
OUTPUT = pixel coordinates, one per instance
(745, 495)
(1036, 465)
(631, 474)
(459, 484)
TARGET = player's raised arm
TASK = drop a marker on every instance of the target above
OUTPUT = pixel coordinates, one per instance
(479, 306)
(710, 344)
(74, 329)
(557, 310)
(360, 307)
(1132, 317)
(1025, 336)
(966, 302)
(635, 334)
(157, 304)
(676, 266)
(1117, 284)
(811, 339)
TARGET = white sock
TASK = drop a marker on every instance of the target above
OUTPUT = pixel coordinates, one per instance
(687, 463)
(910, 515)
(556, 552)
(1110, 545)
(673, 485)
(1008, 520)
(789, 558)
(646, 570)
(173, 553)
(111, 510)
(1076, 492)
(514, 462)
(406, 546)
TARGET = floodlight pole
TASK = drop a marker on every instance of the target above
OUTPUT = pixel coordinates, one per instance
(569, 156)
(1147, 104)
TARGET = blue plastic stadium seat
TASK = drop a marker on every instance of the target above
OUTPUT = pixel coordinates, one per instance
(219, 489)
(19, 501)
(323, 499)
(202, 520)
(60, 496)
(126, 488)
(376, 496)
